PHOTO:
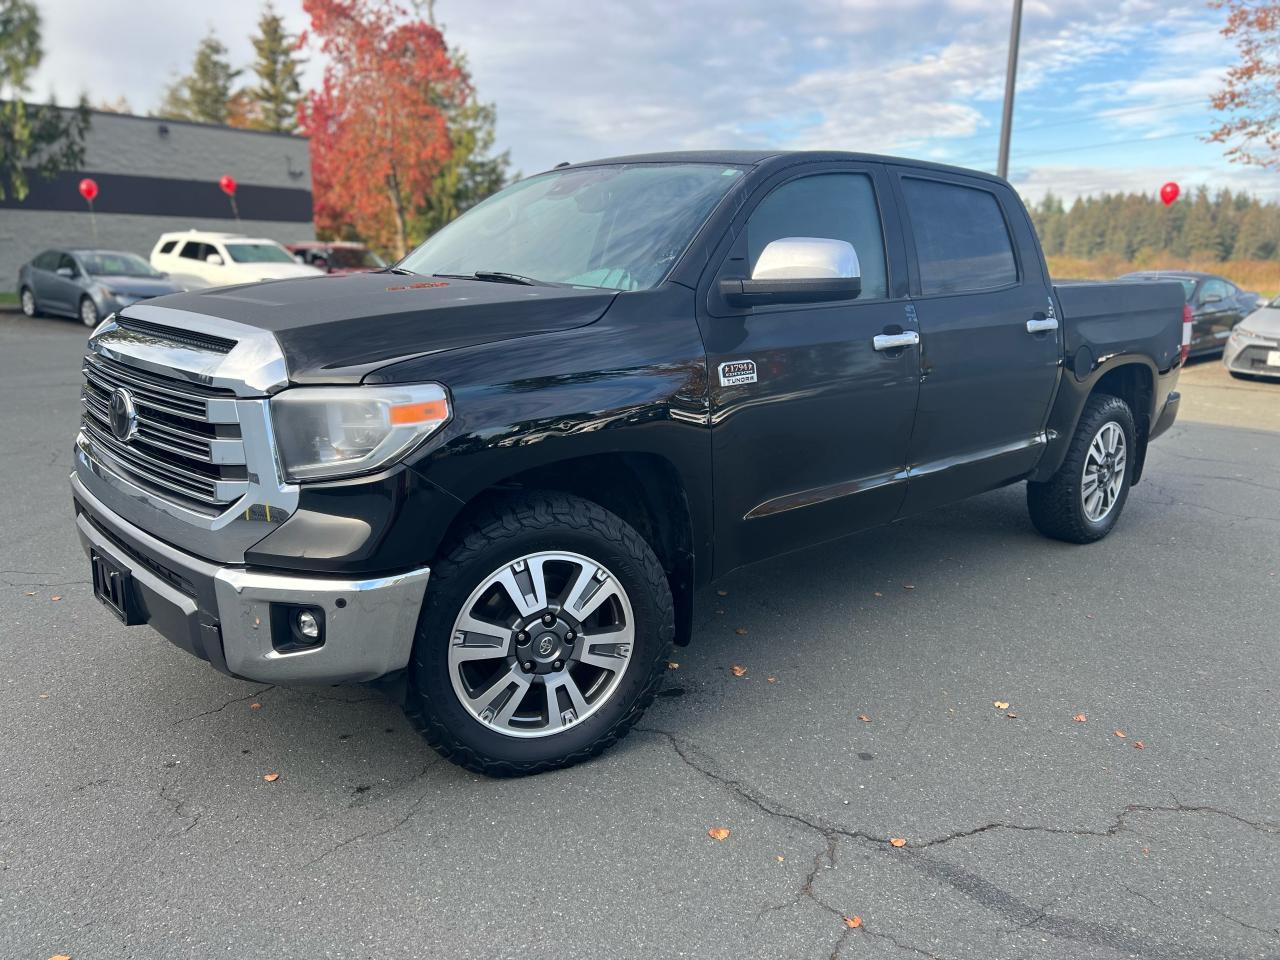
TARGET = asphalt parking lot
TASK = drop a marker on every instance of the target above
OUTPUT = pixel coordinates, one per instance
(135, 821)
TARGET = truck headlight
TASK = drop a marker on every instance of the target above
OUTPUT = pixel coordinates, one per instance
(324, 432)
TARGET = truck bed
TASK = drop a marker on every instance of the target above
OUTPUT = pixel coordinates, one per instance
(1110, 318)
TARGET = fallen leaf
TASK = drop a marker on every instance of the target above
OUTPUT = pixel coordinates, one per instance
(1145, 851)
(864, 718)
(271, 777)
(1079, 718)
(31, 593)
(1121, 734)
(44, 696)
(781, 858)
(672, 665)
(718, 833)
(854, 922)
(1088, 616)
(255, 706)
(60, 956)
(738, 671)
(879, 594)
(741, 631)
(722, 593)
(55, 598)
(1000, 704)
(897, 841)
(908, 586)
(1139, 745)
(1011, 715)
(772, 679)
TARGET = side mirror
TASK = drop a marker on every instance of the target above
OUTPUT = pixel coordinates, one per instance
(214, 259)
(67, 272)
(799, 270)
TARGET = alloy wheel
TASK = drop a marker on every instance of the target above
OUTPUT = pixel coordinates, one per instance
(88, 313)
(1104, 471)
(28, 302)
(541, 644)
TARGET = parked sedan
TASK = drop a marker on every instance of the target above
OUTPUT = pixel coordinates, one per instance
(337, 256)
(1217, 305)
(1253, 349)
(88, 284)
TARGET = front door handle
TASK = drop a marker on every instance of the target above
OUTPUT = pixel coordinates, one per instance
(1041, 323)
(892, 341)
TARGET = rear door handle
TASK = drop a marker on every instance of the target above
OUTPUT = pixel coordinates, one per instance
(1041, 324)
(892, 341)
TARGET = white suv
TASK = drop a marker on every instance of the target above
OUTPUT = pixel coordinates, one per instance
(197, 259)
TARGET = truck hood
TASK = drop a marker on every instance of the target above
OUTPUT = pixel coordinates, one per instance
(337, 328)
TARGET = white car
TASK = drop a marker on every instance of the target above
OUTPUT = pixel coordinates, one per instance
(198, 259)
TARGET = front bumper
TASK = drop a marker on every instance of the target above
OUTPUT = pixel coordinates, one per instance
(223, 613)
(1250, 354)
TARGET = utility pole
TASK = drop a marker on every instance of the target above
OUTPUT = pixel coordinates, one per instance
(1010, 80)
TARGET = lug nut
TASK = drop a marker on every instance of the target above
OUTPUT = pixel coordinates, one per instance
(559, 664)
(548, 619)
(570, 637)
(528, 666)
(522, 638)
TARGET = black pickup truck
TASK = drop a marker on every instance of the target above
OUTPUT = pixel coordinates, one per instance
(492, 477)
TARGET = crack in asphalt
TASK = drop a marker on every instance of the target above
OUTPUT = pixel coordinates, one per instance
(208, 713)
(968, 884)
(391, 828)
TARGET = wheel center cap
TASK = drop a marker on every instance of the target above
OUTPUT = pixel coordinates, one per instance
(547, 644)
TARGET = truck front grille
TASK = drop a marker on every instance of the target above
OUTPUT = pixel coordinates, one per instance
(187, 448)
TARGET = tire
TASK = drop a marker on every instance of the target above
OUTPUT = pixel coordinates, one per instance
(1063, 507)
(565, 541)
(27, 297)
(88, 312)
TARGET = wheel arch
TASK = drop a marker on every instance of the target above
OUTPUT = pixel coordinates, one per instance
(644, 489)
(1131, 378)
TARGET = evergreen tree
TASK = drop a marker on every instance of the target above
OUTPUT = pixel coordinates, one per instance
(273, 100)
(34, 138)
(204, 94)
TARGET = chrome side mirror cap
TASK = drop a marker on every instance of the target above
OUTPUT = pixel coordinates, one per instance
(807, 258)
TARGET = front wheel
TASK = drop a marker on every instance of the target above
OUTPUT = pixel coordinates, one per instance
(1082, 501)
(88, 312)
(545, 633)
(28, 300)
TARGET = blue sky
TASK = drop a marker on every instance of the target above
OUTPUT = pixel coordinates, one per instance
(1112, 94)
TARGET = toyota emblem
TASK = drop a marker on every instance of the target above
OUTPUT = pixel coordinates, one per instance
(124, 416)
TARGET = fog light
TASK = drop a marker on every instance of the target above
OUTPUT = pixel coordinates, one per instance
(308, 626)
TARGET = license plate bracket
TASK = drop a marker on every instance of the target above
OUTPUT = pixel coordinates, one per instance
(114, 587)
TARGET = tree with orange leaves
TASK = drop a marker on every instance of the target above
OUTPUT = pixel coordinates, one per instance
(378, 126)
(1251, 90)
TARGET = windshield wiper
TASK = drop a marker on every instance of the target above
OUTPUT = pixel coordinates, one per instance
(403, 271)
(496, 276)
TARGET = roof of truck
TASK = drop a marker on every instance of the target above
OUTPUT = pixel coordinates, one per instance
(781, 157)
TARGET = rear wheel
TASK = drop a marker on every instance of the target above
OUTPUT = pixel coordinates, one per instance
(1083, 500)
(543, 638)
(27, 298)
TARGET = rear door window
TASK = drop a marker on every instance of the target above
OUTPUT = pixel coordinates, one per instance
(168, 245)
(46, 261)
(961, 238)
(194, 250)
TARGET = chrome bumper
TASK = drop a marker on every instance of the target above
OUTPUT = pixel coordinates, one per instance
(223, 614)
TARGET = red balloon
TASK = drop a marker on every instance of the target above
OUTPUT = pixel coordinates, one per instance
(1169, 192)
(88, 189)
(228, 184)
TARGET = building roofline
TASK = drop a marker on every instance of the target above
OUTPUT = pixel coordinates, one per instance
(94, 111)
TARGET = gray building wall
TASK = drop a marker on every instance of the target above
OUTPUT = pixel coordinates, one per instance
(163, 149)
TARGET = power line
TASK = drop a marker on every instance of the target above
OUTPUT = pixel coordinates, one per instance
(1092, 118)
(973, 158)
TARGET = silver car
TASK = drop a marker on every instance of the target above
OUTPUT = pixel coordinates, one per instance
(1253, 349)
(88, 284)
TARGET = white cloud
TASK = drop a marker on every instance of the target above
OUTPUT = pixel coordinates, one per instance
(1069, 182)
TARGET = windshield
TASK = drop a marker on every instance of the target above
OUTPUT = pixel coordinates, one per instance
(618, 226)
(353, 257)
(117, 265)
(259, 253)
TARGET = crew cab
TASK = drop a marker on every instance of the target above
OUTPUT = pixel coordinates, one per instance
(491, 477)
(199, 259)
